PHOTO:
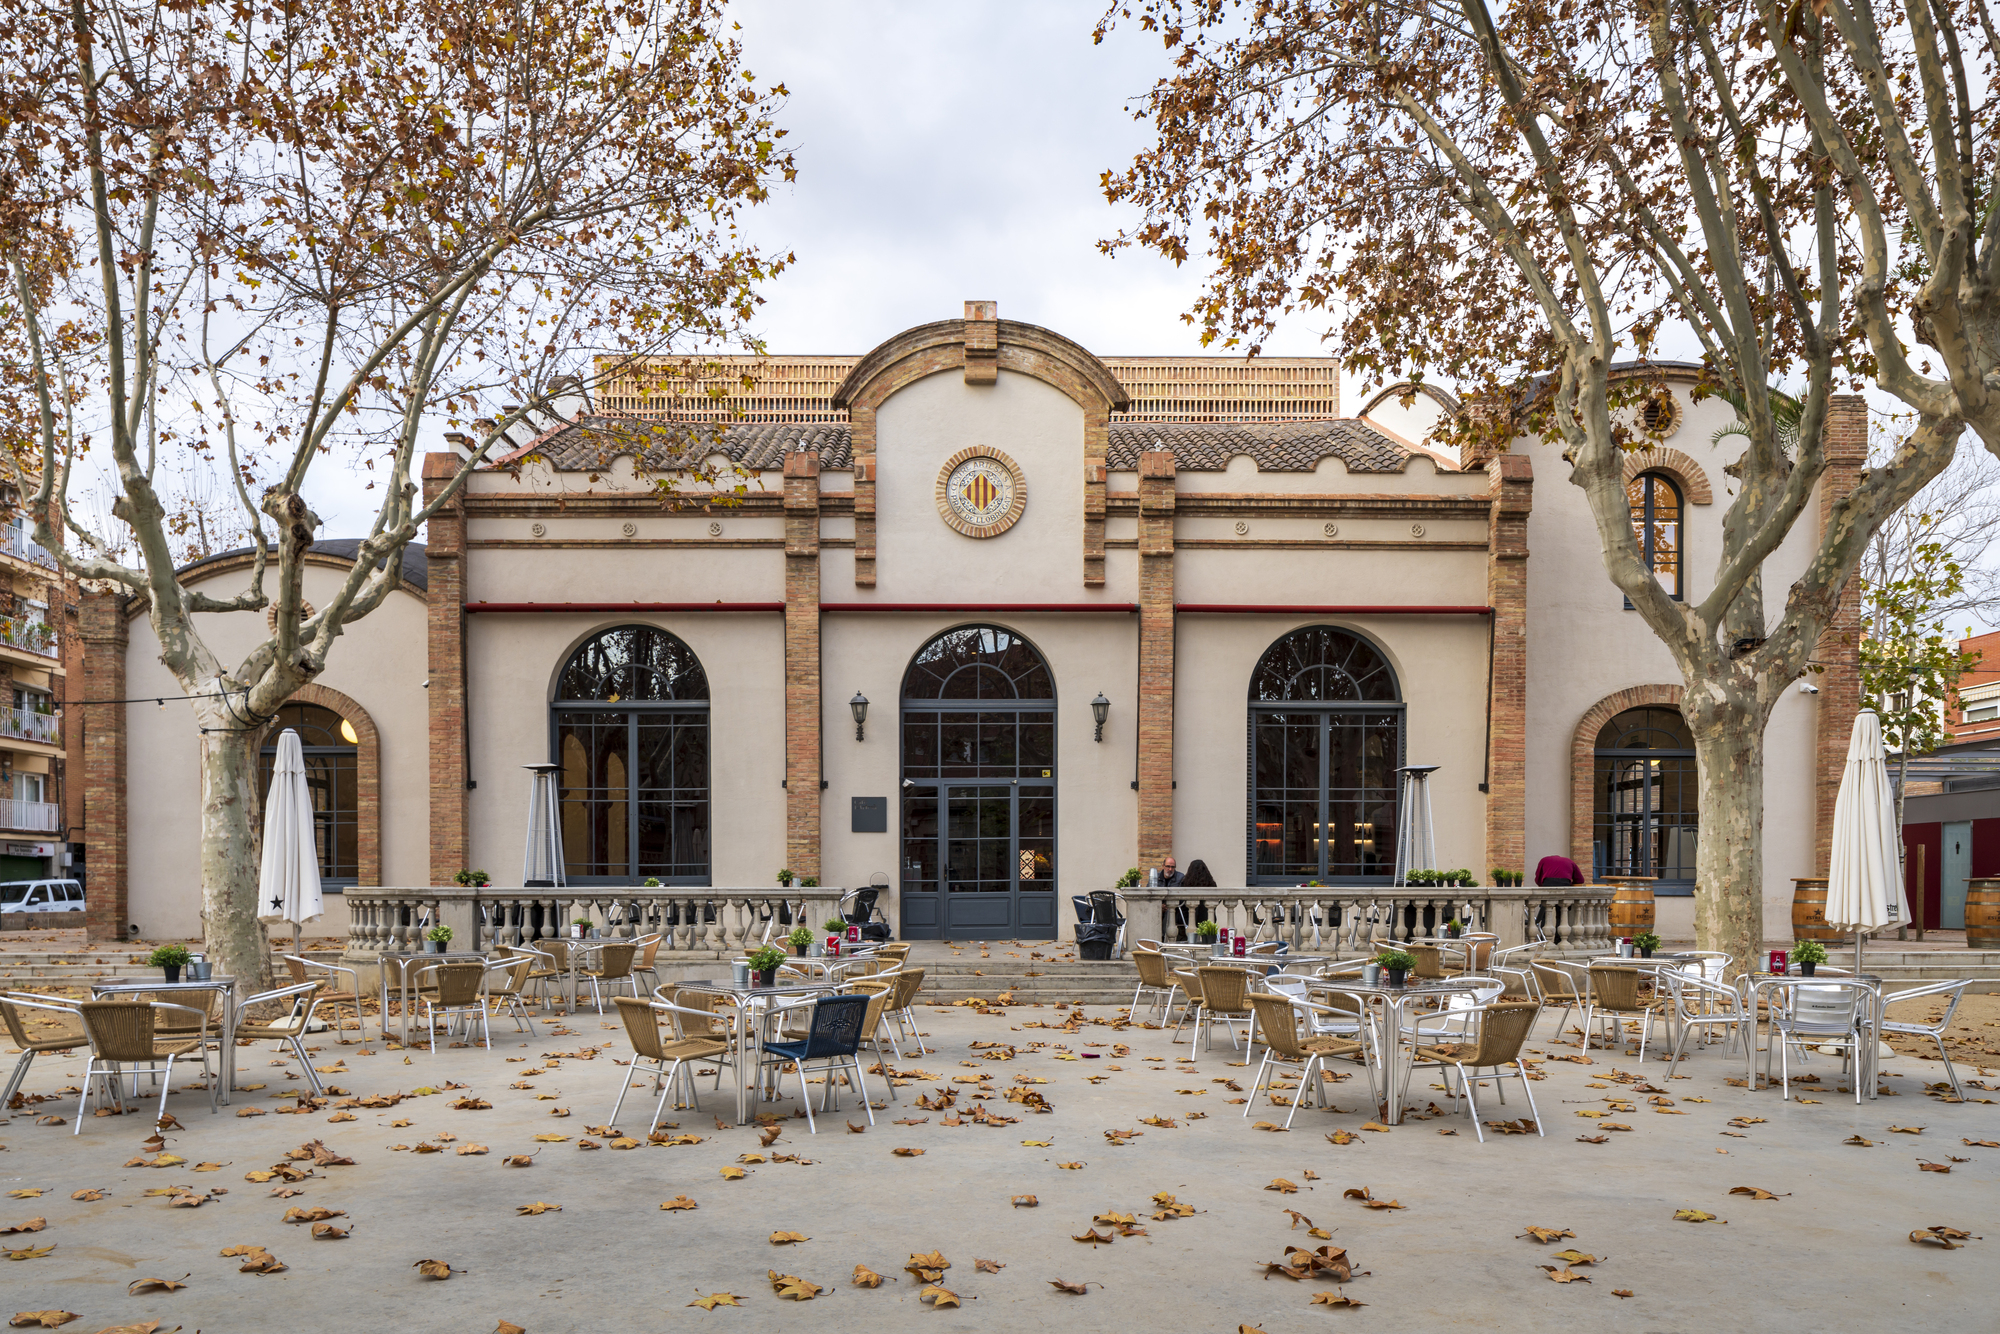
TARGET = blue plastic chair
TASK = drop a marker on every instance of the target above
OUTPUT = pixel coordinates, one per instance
(834, 1040)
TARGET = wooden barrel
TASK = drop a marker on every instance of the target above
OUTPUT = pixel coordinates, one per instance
(1631, 904)
(1809, 910)
(1982, 914)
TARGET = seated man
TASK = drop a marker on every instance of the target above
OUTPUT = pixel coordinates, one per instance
(1554, 871)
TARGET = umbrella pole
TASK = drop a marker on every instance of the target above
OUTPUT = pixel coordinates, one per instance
(295, 940)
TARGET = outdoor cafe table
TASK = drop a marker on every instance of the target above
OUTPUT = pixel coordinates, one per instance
(1394, 1000)
(226, 1065)
(403, 963)
(1868, 1019)
(747, 1001)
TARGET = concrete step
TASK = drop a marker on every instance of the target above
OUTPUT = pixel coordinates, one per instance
(1943, 965)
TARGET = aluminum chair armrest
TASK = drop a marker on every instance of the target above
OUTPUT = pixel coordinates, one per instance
(281, 993)
(36, 1002)
(1916, 993)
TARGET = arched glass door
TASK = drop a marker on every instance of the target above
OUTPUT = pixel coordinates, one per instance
(332, 778)
(979, 793)
(1647, 797)
(1326, 738)
(630, 724)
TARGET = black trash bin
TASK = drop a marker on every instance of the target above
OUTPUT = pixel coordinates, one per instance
(1094, 939)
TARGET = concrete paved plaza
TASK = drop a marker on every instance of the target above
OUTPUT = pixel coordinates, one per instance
(1831, 1252)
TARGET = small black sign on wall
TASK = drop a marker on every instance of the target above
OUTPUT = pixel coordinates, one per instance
(871, 815)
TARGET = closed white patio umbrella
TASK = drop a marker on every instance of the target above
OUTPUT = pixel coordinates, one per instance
(288, 882)
(1864, 888)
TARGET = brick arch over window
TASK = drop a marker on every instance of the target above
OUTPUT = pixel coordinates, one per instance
(1583, 759)
(367, 775)
(1684, 470)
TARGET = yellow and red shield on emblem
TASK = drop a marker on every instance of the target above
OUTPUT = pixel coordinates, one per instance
(979, 491)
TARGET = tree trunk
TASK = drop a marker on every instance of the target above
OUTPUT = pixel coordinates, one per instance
(1729, 857)
(231, 854)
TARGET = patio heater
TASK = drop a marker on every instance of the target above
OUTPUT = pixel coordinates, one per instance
(1414, 848)
(542, 863)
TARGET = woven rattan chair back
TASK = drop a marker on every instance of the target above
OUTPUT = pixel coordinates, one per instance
(1191, 983)
(1264, 949)
(642, 1025)
(1225, 990)
(1479, 952)
(615, 961)
(1503, 1028)
(878, 1001)
(900, 952)
(1615, 988)
(646, 955)
(908, 983)
(119, 1030)
(1430, 961)
(297, 971)
(1339, 1000)
(1278, 1024)
(1152, 968)
(458, 983)
(557, 948)
(1554, 982)
(515, 975)
(56, 1033)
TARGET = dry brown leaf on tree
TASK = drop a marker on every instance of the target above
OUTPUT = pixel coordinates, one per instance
(715, 1299)
(1334, 1298)
(864, 1277)
(1754, 1192)
(938, 1297)
(793, 1288)
(139, 1285)
(42, 1319)
(437, 1269)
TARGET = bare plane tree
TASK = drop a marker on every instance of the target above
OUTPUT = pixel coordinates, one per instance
(265, 235)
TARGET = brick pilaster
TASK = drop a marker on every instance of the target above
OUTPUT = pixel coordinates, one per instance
(1096, 443)
(802, 688)
(1156, 657)
(861, 439)
(445, 548)
(101, 620)
(1511, 486)
(1839, 647)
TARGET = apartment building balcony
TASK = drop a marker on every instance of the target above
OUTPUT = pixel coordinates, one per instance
(33, 817)
(42, 729)
(29, 641)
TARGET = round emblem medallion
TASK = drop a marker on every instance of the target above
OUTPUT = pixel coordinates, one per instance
(981, 492)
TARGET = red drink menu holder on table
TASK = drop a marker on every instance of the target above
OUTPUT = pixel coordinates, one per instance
(1780, 962)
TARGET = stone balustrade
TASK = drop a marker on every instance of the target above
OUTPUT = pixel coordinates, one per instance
(1341, 920)
(709, 921)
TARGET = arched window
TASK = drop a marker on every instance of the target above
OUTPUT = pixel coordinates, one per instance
(1326, 739)
(630, 723)
(1648, 815)
(1656, 522)
(332, 777)
(978, 790)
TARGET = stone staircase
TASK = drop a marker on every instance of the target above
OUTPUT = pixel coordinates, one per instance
(31, 969)
(1031, 981)
(1932, 965)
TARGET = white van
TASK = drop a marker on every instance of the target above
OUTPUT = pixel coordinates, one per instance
(50, 896)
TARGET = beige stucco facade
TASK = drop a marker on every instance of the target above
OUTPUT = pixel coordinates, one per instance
(1153, 563)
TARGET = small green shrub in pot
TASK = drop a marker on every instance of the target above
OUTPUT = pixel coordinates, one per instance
(764, 961)
(472, 879)
(1397, 964)
(1206, 930)
(439, 936)
(1646, 944)
(1128, 880)
(171, 959)
(836, 924)
(800, 939)
(785, 876)
(1808, 955)
(809, 882)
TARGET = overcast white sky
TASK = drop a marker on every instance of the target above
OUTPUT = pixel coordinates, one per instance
(950, 151)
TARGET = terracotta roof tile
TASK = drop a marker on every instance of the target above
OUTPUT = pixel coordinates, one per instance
(758, 446)
(1274, 446)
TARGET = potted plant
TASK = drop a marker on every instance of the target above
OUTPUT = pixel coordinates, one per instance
(1397, 964)
(809, 882)
(1208, 933)
(472, 879)
(800, 940)
(579, 928)
(652, 882)
(1452, 928)
(785, 876)
(438, 936)
(173, 958)
(764, 961)
(1646, 944)
(1129, 880)
(1807, 954)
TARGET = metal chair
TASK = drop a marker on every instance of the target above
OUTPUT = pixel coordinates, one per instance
(1154, 980)
(122, 1036)
(461, 993)
(669, 1059)
(1822, 1014)
(1614, 995)
(1225, 996)
(1278, 1020)
(1562, 984)
(513, 973)
(549, 967)
(66, 1036)
(1502, 1029)
(834, 1040)
(300, 1002)
(302, 969)
(695, 1015)
(1701, 1004)
(1934, 1031)
(649, 949)
(1453, 1022)
(614, 965)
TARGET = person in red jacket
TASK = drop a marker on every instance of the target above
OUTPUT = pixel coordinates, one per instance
(1554, 871)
